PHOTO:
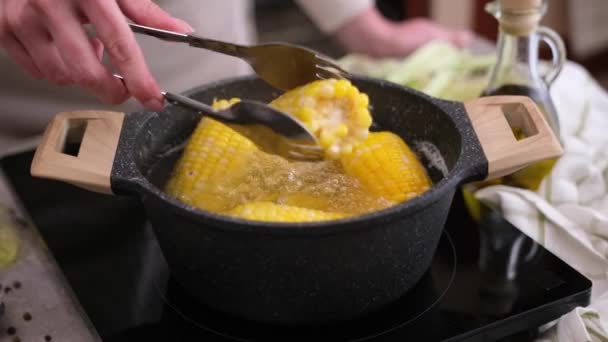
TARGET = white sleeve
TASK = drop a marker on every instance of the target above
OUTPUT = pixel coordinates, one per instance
(329, 15)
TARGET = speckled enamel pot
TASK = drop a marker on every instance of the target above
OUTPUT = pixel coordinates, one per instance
(298, 273)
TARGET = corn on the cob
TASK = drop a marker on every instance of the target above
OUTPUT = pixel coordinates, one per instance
(272, 212)
(263, 136)
(213, 162)
(222, 171)
(334, 110)
(387, 167)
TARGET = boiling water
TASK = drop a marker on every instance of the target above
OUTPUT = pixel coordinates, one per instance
(318, 185)
(265, 177)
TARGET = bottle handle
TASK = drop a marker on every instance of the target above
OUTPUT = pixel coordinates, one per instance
(558, 53)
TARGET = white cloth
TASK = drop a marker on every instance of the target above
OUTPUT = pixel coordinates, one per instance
(568, 214)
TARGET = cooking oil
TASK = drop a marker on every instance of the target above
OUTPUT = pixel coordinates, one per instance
(517, 72)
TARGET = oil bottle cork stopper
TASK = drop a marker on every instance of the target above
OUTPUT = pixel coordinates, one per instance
(520, 17)
(520, 5)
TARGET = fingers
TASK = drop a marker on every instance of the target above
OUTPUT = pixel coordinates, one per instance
(14, 48)
(433, 31)
(18, 54)
(119, 42)
(146, 12)
(23, 25)
(82, 54)
(97, 46)
(45, 55)
(47, 39)
(430, 30)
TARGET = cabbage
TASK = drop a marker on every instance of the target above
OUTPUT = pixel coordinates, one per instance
(438, 69)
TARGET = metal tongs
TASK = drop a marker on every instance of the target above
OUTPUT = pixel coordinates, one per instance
(281, 65)
(272, 130)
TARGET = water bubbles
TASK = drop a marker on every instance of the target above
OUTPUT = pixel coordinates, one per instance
(314, 185)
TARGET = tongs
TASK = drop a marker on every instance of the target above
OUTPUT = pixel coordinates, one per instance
(281, 65)
(272, 130)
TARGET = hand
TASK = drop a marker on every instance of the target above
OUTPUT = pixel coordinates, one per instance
(47, 38)
(370, 33)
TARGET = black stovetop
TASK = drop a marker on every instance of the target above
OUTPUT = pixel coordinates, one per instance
(485, 283)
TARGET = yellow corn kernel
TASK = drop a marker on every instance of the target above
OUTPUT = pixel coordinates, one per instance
(386, 167)
(334, 110)
(341, 88)
(341, 130)
(363, 100)
(363, 118)
(326, 140)
(352, 92)
(214, 161)
(305, 114)
(272, 212)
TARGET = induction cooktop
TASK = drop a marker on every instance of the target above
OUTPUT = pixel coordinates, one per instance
(487, 281)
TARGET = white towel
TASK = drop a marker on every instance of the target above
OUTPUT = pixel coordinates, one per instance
(568, 214)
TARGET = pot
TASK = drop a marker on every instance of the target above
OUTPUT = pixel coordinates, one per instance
(297, 273)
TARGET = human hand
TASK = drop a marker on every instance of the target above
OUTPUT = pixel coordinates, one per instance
(372, 34)
(47, 38)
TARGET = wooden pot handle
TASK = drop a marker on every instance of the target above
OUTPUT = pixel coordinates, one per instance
(493, 119)
(79, 148)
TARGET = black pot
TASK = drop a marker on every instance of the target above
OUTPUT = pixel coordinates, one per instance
(296, 273)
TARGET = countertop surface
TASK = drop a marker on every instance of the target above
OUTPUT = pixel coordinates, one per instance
(38, 302)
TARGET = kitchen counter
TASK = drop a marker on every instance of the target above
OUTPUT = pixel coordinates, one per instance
(38, 302)
(98, 242)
